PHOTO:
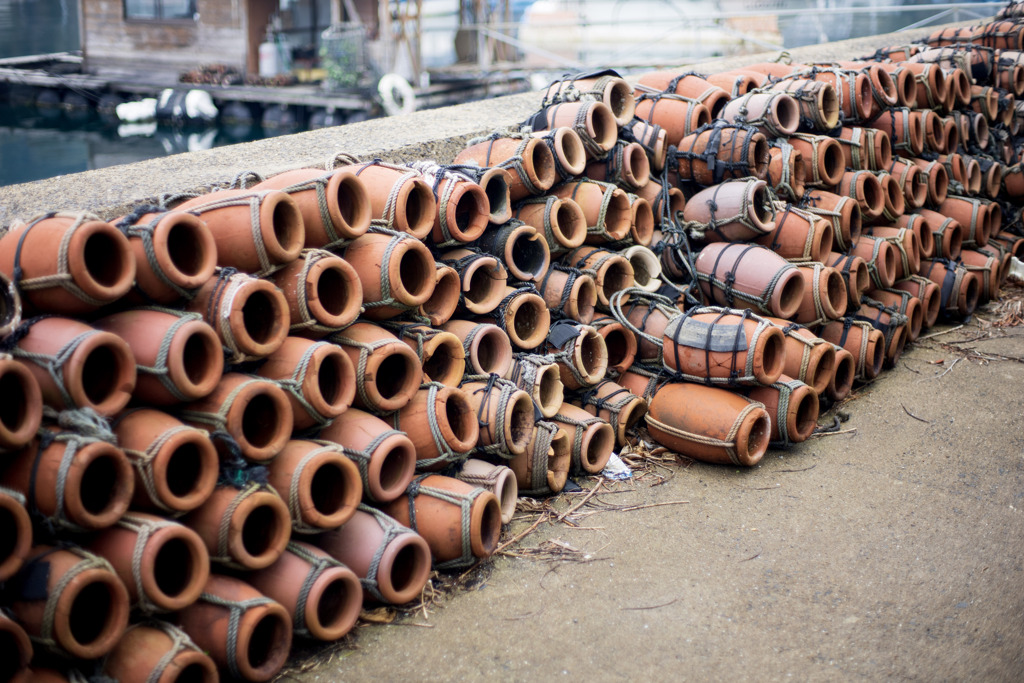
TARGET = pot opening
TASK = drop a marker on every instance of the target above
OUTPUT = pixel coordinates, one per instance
(806, 415)
(550, 391)
(570, 147)
(569, 222)
(470, 212)
(405, 566)
(835, 290)
(184, 247)
(393, 469)
(872, 190)
(288, 227)
(760, 433)
(787, 114)
(601, 443)
(761, 155)
(641, 272)
(490, 525)
(259, 420)
(90, 614)
(327, 489)
(833, 163)
(876, 347)
(529, 255)
(329, 378)
(593, 354)
(482, 283)
(100, 482)
(496, 190)
(100, 374)
(492, 354)
(618, 98)
(790, 297)
(774, 355)
(351, 202)
(332, 291)
(617, 345)
(617, 276)
(526, 318)
(193, 673)
(416, 273)
(332, 608)
(260, 530)
(521, 423)
(759, 202)
(973, 291)
(543, 163)
(393, 374)
(606, 130)
(265, 641)
(183, 469)
(198, 357)
(104, 258)
(13, 404)
(842, 373)
(459, 416)
(445, 297)
(259, 315)
(438, 364)
(173, 567)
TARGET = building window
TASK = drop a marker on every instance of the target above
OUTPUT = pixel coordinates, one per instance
(159, 9)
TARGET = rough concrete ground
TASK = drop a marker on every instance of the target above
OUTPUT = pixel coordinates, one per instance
(892, 550)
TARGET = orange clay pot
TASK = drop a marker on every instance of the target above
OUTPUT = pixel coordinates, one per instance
(441, 353)
(319, 482)
(736, 210)
(530, 164)
(335, 205)
(544, 467)
(396, 273)
(865, 149)
(913, 182)
(927, 292)
(99, 267)
(21, 405)
(749, 276)
(592, 439)
(386, 457)
(854, 271)
(488, 349)
(17, 649)
(161, 563)
(709, 424)
(775, 114)
(903, 303)
(255, 230)
(906, 132)
(175, 253)
(614, 404)
(400, 198)
(864, 187)
(880, 257)
(372, 541)
(504, 413)
(612, 272)
(482, 278)
(842, 212)
(792, 407)
(859, 338)
(71, 481)
(497, 479)
(323, 292)
(175, 465)
(906, 245)
(96, 369)
(787, 173)
(593, 121)
(539, 376)
(245, 528)
(318, 377)
(605, 208)
(620, 343)
(946, 233)
(569, 291)
(249, 315)
(388, 372)
(524, 316)
(178, 356)
(737, 152)
(716, 346)
(822, 157)
(444, 300)
(158, 652)
(521, 249)
(441, 423)
(687, 84)
(254, 412)
(16, 528)
(799, 235)
(818, 102)
(825, 295)
(88, 602)
(261, 628)
(809, 358)
(321, 594)
(676, 117)
(561, 221)
(456, 539)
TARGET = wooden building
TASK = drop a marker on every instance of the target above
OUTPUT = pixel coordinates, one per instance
(171, 36)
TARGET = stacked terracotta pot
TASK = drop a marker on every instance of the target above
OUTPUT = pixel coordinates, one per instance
(240, 415)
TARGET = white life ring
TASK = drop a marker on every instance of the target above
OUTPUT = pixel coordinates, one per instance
(391, 85)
